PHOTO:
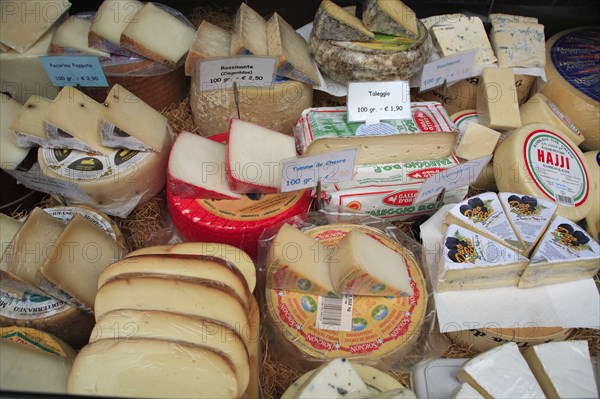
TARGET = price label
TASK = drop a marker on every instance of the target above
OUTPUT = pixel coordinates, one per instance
(373, 102)
(449, 69)
(305, 172)
(84, 71)
(221, 73)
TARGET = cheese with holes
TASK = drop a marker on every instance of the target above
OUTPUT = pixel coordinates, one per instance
(390, 17)
(24, 22)
(73, 35)
(537, 161)
(477, 141)
(519, 44)
(292, 52)
(8, 229)
(335, 379)
(563, 369)
(110, 21)
(466, 391)
(593, 217)
(28, 124)
(152, 368)
(362, 265)
(11, 154)
(249, 34)
(128, 122)
(565, 253)
(197, 168)
(254, 156)
(501, 372)
(296, 262)
(458, 35)
(210, 41)
(332, 22)
(158, 35)
(497, 104)
(538, 109)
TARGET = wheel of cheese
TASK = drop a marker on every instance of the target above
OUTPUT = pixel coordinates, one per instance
(481, 340)
(536, 160)
(572, 62)
(37, 339)
(593, 218)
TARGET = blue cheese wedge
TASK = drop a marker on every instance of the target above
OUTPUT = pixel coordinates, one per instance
(463, 34)
(336, 379)
(519, 45)
(499, 18)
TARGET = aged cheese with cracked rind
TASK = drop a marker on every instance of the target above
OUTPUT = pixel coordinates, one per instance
(73, 35)
(593, 217)
(335, 379)
(110, 21)
(476, 141)
(390, 17)
(11, 154)
(497, 103)
(28, 124)
(210, 41)
(333, 22)
(249, 34)
(463, 34)
(519, 45)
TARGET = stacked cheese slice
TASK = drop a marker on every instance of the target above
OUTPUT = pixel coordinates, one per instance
(187, 323)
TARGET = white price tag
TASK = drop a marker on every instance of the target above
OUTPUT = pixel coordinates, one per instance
(449, 69)
(305, 172)
(372, 102)
(458, 176)
(221, 73)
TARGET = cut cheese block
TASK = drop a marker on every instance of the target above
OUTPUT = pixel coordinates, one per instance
(128, 122)
(72, 121)
(335, 379)
(538, 109)
(195, 266)
(332, 22)
(11, 154)
(161, 369)
(501, 372)
(529, 216)
(19, 362)
(497, 104)
(28, 124)
(254, 156)
(593, 217)
(32, 245)
(296, 262)
(231, 254)
(466, 391)
(458, 35)
(519, 44)
(210, 41)
(26, 21)
(362, 265)
(563, 369)
(197, 168)
(110, 21)
(500, 18)
(477, 141)
(565, 253)
(38, 340)
(8, 229)
(249, 32)
(572, 80)
(130, 325)
(292, 52)
(473, 261)
(536, 160)
(73, 35)
(484, 214)
(158, 35)
(391, 17)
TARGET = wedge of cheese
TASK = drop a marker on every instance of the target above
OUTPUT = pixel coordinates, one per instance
(110, 21)
(292, 52)
(497, 103)
(8, 229)
(11, 154)
(249, 32)
(477, 141)
(28, 124)
(500, 18)
(335, 379)
(466, 391)
(519, 44)
(363, 265)
(210, 41)
(391, 17)
(332, 22)
(73, 35)
(457, 35)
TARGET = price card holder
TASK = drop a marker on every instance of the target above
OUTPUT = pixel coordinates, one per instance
(77, 70)
(448, 69)
(372, 102)
(222, 73)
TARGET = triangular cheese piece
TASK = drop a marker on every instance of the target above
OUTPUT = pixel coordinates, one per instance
(249, 32)
(29, 122)
(529, 216)
(471, 261)
(210, 41)
(390, 17)
(8, 229)
(332, 22)
(565, 253)
(336, 379)
(484, 214)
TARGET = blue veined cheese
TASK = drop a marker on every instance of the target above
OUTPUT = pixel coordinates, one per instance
(336, 379)
(519, 44)
(462, 34)
(499, 18)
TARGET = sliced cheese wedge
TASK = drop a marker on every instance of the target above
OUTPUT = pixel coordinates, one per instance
(363, 265)
(28, 124)
(391, 17)
(335, 379)
(210, 41)
(8, 229)
(249, 32)
(11, 154)
(110, 21)
(497, 103)
(460, 33)
(73, 34)
(152, 368)
(477, 141)
(332, 22)
(519, 44)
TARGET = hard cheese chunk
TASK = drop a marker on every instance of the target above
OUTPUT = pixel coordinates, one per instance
(520, 45)
(210, 41)
(73, 34)
(565, 253)
(332, 22)
(391, 17)
(563, 369)
(336, 379)
(249, 32)
(197, 168)
(110, 21)
(128, 122)
(11, 154)
(296, 262)
(463, 34)
(477, 141)
(501, 372)
(364, 266)
(497, 103)
(254, 156)
(29, 122)
(79, 255)
(8, 229)
(158, 35)
(466, 391)
(292, 52)
(152, 368)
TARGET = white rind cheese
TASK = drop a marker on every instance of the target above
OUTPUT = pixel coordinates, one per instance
(209, 41)
(497, 103)
(519, 45)
(390, 17)
(249, 34)
(110, 21)
(11, 154)
(73, 34)
(332, 22)
(28, 125)
(457, 35)
(336, 379)
(466, 391)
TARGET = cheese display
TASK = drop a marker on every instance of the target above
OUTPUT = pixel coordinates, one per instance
(28, 124)
(501, 372)
(73, 35)
(565, 253)
(497, 104)
(11, 154)
(463, 34)
(572, 81)
(390, 18)
(249, 32)
(563, 369)
(333, 22)
(519, 44)
(593, 217)
(477, 141)
(210, 41)
(536, 160)
(466, 391)
(37, 339)
(110, 21)
(335, 379)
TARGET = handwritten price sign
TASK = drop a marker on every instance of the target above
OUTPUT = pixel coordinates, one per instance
(84, 71)
(449, 69)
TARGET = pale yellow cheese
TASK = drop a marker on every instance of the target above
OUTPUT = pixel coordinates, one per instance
(593, 217)
(390, 17)
(497, 103)
(477, 141)
(73, 34)
(249, 32)
(210, 41)
(28, 125)
(111, 19)
(11, 155)
(8, 229)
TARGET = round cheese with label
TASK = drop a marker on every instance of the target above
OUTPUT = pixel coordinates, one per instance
(37, 339)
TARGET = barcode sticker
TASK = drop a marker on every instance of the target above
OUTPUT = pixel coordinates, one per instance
(564, 200)
(561, 195)
(335, 313)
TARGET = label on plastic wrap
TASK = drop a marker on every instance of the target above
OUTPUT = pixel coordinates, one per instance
(32, 338)
(252, 207)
